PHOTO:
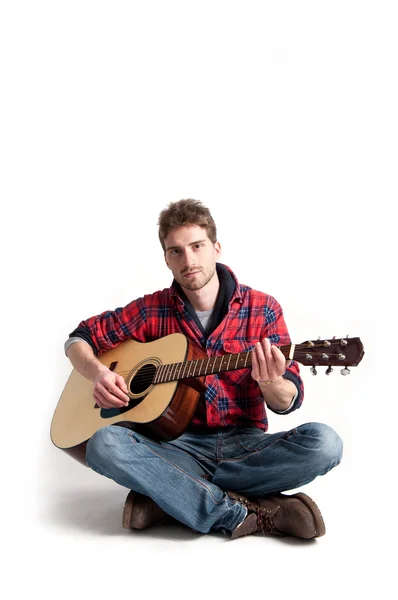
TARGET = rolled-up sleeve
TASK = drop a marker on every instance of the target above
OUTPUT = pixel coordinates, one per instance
(276, 331)
(108, 329)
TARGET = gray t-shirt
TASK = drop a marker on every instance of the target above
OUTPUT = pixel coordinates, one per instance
(204, 317)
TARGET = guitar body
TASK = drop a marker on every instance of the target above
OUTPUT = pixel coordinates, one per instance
(161, 411)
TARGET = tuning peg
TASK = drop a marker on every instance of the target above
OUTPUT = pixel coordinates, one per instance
(345, 371)
(313, 370)
(329, 370)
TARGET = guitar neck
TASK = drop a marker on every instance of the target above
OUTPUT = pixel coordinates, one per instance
(334, 352)
(209, 366)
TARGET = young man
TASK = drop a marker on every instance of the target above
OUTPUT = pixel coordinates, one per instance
(224, 472)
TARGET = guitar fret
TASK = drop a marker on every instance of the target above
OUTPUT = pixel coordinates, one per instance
(160, 376)
(183, 373)
(164, 373)
(200, 372)
(179, 371)
(207, 366)
(237, 360)
(247, 356)
(174, 372)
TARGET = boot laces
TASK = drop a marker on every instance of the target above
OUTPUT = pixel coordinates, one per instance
(265, 523)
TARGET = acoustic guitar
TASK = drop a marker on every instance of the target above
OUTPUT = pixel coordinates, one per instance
(164, 379)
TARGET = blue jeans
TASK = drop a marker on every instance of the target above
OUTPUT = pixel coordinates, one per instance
(188, 477)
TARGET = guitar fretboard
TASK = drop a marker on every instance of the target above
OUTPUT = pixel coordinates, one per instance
(207, 366)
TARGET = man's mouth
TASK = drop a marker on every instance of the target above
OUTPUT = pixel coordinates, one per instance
(191, 273)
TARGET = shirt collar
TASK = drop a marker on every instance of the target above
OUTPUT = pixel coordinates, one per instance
(227, 279)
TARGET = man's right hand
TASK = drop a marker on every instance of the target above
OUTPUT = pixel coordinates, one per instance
(110, 390)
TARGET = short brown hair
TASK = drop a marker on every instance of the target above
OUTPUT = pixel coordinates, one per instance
(186, 212)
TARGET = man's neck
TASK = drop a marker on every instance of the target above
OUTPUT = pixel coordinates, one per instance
(205, 298)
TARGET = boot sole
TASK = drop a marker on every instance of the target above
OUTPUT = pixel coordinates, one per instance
(130, 521)
(128, 511)
(316, 513)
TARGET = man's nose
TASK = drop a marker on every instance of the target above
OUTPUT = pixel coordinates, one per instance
(189, 258)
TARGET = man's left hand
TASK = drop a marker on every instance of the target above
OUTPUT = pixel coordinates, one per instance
(268, 362)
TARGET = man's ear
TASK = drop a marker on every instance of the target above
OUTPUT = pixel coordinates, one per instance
(217, 248)
(165, 260)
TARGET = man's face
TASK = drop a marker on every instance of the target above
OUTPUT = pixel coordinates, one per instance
(191, 256)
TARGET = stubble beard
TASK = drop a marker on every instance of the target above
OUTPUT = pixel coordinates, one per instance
(200, 282)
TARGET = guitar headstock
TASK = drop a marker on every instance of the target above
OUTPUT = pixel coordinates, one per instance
(343, 352)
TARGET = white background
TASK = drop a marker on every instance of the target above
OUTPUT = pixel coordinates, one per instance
(282, 118)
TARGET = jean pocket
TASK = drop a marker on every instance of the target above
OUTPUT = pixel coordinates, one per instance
(252, 439)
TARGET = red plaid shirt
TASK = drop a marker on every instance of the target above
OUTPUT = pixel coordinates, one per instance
(231, 398)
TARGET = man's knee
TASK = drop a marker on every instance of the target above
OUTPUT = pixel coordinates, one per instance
(331, 446)
(326, 442)
(100, 446)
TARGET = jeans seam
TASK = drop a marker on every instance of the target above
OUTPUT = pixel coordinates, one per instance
(171, 447)
(227, 515)
(254, 450)
(200, 481)
(237, 459)
(200, 456)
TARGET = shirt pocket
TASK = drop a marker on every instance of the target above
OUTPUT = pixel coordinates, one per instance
(238, 376)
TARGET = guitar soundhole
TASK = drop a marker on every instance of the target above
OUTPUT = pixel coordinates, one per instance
(143, 379)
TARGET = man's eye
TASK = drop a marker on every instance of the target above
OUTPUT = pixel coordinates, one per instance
(175, 251)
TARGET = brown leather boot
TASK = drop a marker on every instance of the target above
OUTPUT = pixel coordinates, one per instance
(296, 515)
(141, 512)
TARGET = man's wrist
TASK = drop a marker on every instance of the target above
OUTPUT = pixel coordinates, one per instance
(279, 394)
(98, 371)
(277, 380)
